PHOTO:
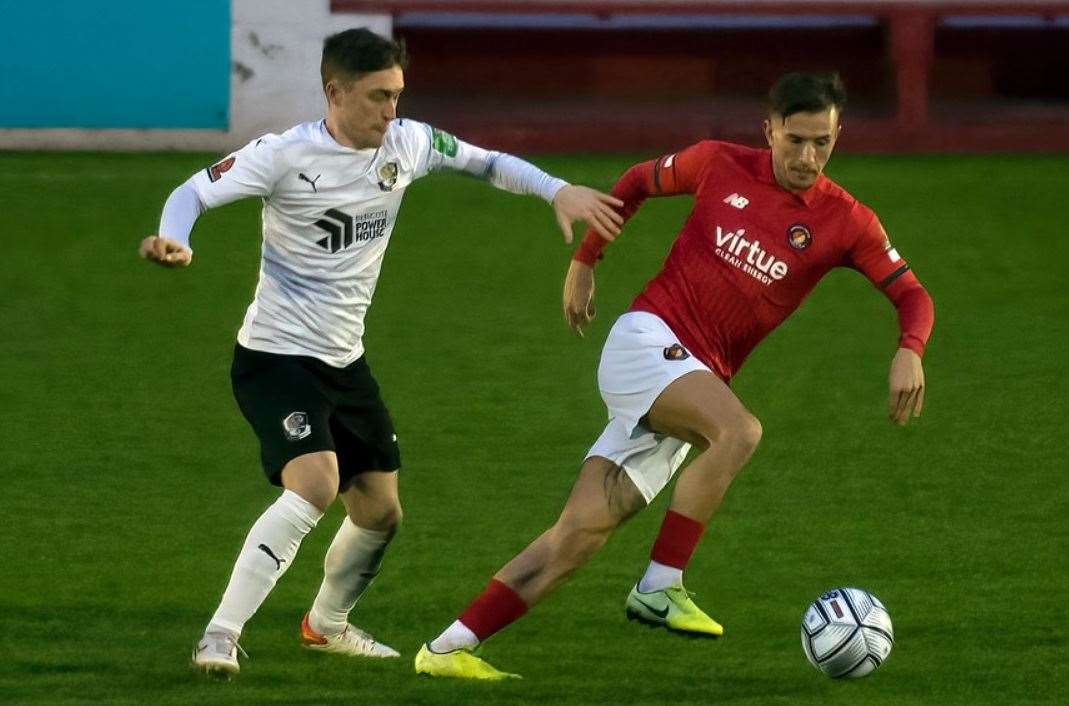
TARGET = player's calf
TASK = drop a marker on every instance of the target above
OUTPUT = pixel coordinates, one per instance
(572, 544)
(602, 498)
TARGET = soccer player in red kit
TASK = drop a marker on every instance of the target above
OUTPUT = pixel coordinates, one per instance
(765, 228)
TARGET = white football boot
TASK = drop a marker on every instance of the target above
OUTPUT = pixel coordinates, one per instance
(217, 654)
(351, 641)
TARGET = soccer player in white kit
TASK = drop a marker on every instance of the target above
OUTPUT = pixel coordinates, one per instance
(331, 191)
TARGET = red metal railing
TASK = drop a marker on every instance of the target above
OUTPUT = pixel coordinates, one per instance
(910, 28)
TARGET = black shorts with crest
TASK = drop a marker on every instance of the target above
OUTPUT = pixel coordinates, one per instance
(298, 405)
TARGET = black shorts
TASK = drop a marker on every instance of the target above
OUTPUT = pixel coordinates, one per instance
(298, 404)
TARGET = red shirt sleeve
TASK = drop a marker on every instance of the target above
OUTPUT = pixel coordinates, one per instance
(874, 256)
(916, 314)
(677, 173)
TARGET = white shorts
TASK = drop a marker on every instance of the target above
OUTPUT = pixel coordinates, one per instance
(640, 359)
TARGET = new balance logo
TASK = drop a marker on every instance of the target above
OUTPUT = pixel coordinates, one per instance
(345, 230)
(737, 201)
(304, 177)
(267, 550)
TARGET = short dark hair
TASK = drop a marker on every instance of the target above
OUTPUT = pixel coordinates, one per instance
(349, 54)
(800, 92)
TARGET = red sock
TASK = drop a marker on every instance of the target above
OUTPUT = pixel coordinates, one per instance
(676, 540)
(496, 607)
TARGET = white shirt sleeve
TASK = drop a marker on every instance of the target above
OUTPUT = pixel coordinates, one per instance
(433, 150)
(181, 211)
(251, 171)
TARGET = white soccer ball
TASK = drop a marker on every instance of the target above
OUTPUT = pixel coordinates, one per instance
(847, 633)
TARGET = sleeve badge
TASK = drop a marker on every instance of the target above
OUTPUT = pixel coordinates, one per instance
(215, 172)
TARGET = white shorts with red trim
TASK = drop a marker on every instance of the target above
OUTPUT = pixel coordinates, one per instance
(640, 359)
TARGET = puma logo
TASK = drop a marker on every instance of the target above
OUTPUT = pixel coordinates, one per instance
(304, 177)
(267, 550)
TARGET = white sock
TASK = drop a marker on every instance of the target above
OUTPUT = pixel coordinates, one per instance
(351, 563)
(457, 636)
(659, 577)
(268, 551)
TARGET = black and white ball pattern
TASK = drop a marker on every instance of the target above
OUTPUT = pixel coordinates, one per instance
(847, 632)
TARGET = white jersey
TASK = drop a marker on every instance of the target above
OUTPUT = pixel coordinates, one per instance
(328, 214)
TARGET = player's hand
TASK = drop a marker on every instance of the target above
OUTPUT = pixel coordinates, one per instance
(580, 203)
(579, 296)
(907, 387)
(166, 252)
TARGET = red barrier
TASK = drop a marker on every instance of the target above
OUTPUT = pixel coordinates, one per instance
(909, 49)
(699, 7)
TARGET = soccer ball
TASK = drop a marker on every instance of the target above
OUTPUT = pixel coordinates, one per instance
(847, 633)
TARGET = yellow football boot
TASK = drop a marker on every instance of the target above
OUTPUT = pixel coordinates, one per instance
(671, 608)
(459, 664)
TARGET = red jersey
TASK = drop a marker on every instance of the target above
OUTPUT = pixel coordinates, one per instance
(750, 251)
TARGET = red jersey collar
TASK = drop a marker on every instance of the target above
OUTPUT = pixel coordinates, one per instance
(807, 197)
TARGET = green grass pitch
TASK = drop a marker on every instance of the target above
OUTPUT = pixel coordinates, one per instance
(130, 479)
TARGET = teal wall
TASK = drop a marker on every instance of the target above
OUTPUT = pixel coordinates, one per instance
(115, 63)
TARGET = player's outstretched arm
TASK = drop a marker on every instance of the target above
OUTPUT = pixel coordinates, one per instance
(171, 247)
(164, 251)
(579, 296)
(906, 383)
(915, 317)
(629, 192)
(251, 171)
(580, 203)
(874, 256)
(505, 171)
(678, 173)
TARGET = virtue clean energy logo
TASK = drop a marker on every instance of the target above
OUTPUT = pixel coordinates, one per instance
(749, 256)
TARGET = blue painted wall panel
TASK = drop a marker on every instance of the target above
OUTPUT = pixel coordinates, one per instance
(115, 63)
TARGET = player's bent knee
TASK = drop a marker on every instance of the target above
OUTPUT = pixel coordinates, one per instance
(320, 494)
(749, 432)
(737, 435)
(395, 515)
(314, 477)
(384, 517)
(740, 431)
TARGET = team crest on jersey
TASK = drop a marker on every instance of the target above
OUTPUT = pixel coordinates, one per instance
(798, 236)
(297, 426)
(676, 352)
(388, 176)
(215, 172)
